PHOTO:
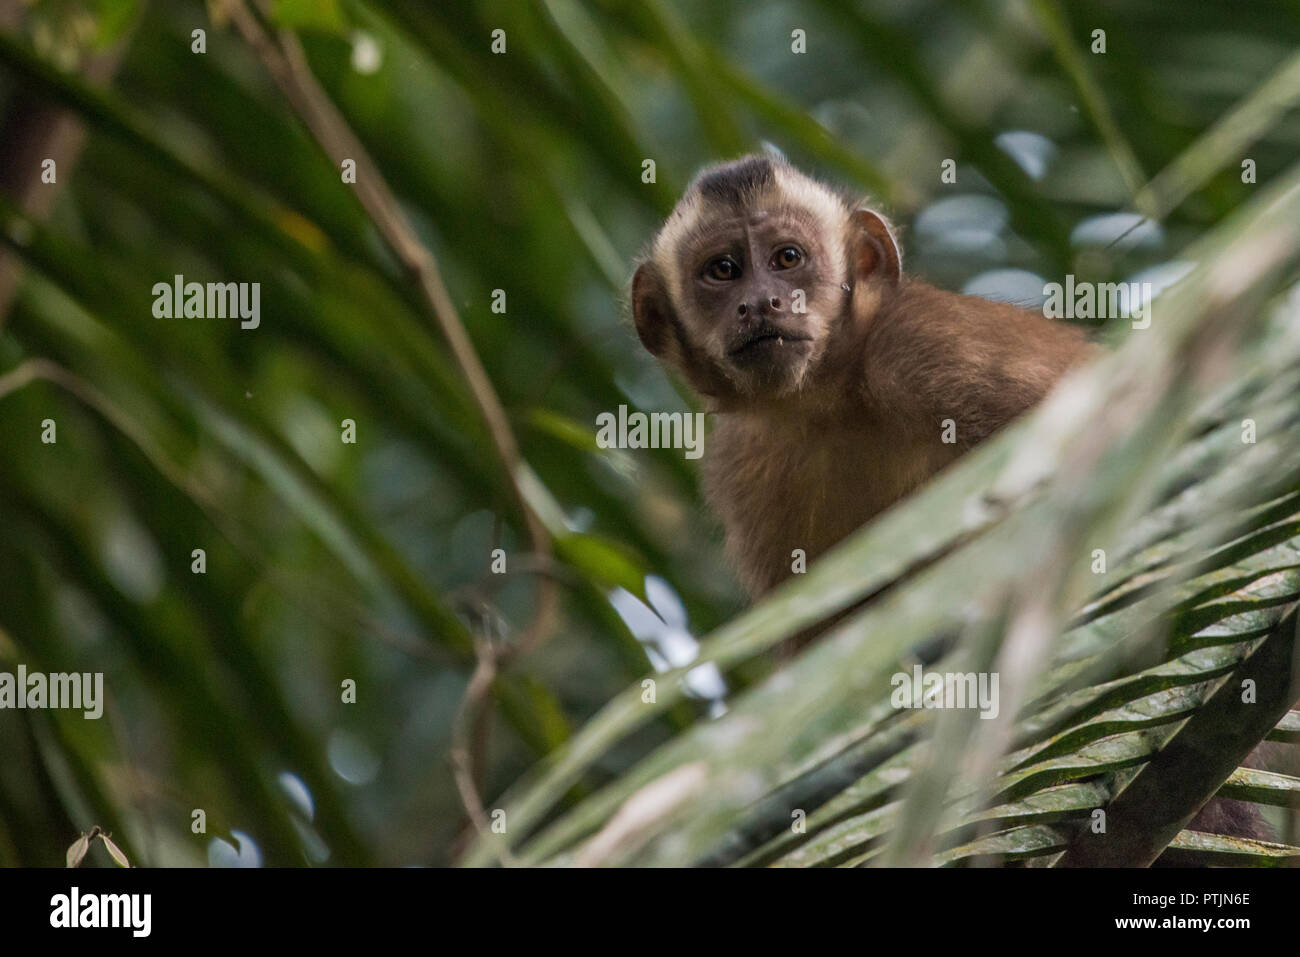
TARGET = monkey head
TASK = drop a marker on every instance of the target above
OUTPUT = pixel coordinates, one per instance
(755, 272)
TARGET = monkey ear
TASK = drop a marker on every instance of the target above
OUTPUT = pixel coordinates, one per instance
(876, 248)
(652, 312)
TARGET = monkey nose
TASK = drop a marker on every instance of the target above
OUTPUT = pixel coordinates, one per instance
(761, 308)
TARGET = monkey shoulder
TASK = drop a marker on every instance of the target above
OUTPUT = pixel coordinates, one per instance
(972, 361)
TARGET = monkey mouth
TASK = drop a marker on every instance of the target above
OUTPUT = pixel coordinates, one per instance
(760, 336)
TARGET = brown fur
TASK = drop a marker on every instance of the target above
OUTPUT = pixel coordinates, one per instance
(806, 474)
(813, 438)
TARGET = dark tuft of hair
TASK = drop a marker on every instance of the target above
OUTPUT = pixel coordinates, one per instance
(732, 183)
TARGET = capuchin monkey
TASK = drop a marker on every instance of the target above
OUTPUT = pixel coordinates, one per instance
(840, 384)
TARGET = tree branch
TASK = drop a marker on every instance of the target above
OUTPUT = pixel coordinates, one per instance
(288, 66)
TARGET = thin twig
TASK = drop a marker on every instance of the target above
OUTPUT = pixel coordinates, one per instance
(463, 730)
(288, 66)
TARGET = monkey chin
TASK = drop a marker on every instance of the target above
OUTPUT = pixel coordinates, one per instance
(773, 367)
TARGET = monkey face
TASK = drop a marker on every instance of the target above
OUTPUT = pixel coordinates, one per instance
(757, 299)
(747, 304)
(753, 276)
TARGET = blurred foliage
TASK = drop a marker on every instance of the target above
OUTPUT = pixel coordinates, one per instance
(522, 172)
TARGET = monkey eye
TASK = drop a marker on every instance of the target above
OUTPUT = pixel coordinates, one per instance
(723, 269)
(787, 257)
